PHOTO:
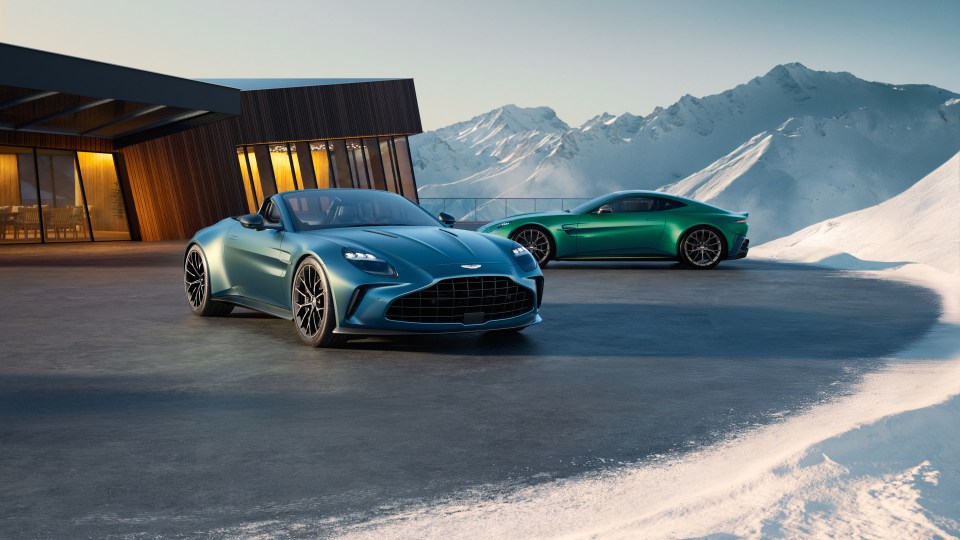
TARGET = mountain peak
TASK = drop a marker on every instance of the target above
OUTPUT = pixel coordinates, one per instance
(515, 118)
(791, 67)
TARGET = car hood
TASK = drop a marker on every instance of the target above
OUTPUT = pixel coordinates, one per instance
(421, 247)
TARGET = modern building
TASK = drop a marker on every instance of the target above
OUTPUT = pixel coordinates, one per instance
(92, 151)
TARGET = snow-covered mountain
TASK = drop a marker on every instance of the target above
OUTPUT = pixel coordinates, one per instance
(920, 225)
(793, 147)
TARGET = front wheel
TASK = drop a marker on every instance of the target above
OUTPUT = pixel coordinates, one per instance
(196, 286)
(313, 312)
(701, 248)
(537, 241)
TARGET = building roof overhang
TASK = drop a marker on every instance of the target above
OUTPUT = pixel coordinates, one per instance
(43, 92)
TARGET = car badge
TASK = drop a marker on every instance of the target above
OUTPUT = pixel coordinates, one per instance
(470, 266)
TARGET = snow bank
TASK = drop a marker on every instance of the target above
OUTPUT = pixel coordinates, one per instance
(920, 225)
(860, 465)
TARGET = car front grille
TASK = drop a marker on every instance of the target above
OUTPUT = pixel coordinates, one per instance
(467, 300)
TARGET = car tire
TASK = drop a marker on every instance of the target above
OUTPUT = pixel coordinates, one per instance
(701, 248)
(196, 286)
(537, 241)
(314, 316)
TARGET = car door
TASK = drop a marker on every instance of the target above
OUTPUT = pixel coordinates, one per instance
(625, 226)
(255, 262)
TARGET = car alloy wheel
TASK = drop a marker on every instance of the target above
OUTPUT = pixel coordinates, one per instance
(196, 286)
(195, 279)
(313, 312)
(537, 243)
(309, 301)
(702, 248)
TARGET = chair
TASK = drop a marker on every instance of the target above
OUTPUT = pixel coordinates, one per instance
(61, 221)
(27, 220)
(6, 221)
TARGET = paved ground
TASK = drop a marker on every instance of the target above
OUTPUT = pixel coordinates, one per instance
(121, 413)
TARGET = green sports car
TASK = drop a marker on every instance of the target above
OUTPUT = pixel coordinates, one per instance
(646, 225)
(358, 262)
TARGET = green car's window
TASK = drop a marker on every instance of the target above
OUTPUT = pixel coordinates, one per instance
(670, 204)
(324, 209)
(633, 204)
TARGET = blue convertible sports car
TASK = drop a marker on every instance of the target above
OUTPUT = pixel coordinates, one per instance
(342, 262)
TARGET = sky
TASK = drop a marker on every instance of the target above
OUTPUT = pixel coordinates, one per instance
(468, 57)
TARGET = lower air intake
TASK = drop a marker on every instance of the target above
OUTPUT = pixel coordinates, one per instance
(468, 300)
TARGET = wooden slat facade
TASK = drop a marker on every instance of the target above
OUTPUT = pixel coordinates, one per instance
(186, 181)
(330, 112)
(177, 184)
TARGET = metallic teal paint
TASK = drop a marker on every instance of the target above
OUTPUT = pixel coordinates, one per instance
(255, 268)
(652, 235)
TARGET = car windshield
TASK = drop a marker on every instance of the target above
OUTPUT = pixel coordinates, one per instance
(589, 205)
(330, 208)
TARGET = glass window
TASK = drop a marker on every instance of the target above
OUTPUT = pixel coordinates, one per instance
(341, 166)
(282, 168)
(407, 181)
(61, 197)
(358, 164)
(247, 185)
(19, 218)
(303, 165)
(105, 208)
(78, 199)
(255, 173)
(670, 204)
(389, 167)
(633, 204)
(321, 164)
(267, 182)
(374, 164)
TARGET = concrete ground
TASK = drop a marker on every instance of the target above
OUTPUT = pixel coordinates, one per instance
(123, 414)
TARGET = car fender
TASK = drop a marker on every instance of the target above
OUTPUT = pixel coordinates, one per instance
(210, 240)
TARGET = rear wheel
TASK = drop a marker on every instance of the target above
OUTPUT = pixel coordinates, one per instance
(313, 313)
(537, 241)
(196, 286)
(701, 248)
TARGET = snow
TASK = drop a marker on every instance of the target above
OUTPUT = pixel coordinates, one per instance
(920, 225)
(880, 462)
(833, 144)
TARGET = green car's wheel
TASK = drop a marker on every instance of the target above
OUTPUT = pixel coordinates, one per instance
(196, 286)
(701, 248)
(537, 241)
(313, 313)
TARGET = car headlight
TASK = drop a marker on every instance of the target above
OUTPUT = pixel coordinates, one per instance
(496, 226)
(524, 258)
(369, 263)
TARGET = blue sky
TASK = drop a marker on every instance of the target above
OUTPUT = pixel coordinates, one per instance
(581, 58)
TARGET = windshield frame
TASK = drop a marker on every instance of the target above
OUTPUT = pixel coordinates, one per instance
(338, 194)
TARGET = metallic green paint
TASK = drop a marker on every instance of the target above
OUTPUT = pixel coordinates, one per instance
(255, 268)
(653, 234)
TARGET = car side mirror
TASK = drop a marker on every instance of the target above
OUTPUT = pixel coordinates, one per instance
(605, 209)
(252, 221)
(447, 219)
